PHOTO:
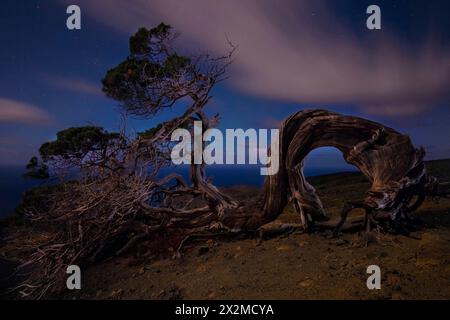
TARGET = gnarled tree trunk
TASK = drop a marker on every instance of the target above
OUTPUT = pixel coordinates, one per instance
(388, 158)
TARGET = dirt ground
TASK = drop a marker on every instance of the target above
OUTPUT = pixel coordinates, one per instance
(297, 266)
(290, 266)
(293, 266)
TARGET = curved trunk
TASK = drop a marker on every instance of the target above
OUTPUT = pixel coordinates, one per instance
(384, 155)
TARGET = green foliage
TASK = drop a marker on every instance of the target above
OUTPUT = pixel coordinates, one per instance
(132, 77)
(36, 170)
(149, 133)
(71, 144)
(140, 41)
(173, 64)
(152, 76)
(76, 142)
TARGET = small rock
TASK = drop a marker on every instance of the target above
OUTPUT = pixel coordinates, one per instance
(307, 283)
(161, 293)
(172, 293)
(116, 294)
(284, 248)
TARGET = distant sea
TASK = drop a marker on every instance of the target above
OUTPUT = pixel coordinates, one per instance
(12, 183)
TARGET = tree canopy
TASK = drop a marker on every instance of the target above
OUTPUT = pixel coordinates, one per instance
(154, 75)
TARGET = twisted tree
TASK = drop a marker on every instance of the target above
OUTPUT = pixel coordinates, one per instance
(118, 195)
(387, 158)
(112, 192)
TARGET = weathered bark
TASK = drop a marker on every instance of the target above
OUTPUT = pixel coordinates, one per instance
(388, 158)
(216, 199)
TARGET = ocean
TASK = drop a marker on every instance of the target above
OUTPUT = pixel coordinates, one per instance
(12, 183)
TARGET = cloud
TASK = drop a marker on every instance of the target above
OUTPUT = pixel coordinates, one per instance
(77, 85)
(18, 112)
(395, 110)
(299, 52)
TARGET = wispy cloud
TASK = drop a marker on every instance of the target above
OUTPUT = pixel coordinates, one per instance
(298, 52)
(13, 111)
(77, 85)
(401, 109)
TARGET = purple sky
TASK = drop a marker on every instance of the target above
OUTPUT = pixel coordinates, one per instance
(291, 55)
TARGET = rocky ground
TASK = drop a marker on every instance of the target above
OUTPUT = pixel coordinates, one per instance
(291, 266)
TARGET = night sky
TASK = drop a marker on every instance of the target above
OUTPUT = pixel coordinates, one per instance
(291, 55)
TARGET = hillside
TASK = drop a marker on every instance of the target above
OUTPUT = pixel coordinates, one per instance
(291, 266)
